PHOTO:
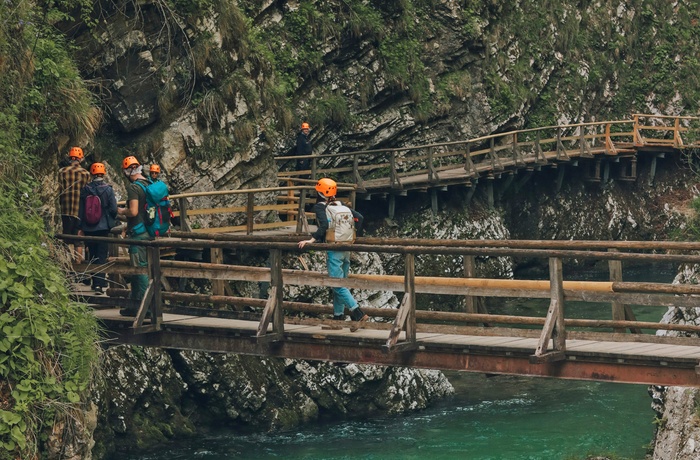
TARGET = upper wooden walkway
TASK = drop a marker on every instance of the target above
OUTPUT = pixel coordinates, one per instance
(393, 172)
(398, 170)
(566, 342)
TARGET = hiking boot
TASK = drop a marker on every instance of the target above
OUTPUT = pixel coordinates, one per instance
(357, 315)
(127, 312)
(98, 290)
(339, 317)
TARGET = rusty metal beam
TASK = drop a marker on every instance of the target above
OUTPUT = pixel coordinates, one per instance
(365, 352)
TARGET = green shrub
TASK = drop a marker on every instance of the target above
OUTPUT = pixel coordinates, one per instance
(48, 345)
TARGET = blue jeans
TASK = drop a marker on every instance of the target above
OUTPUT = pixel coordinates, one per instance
(338, 263)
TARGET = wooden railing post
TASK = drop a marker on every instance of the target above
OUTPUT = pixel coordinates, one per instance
(393, 175)
(470, 302)
(273, 311)
(156, 276)
(553, 328)
(217, 257)
(636, 134)
(517, 155)
(620, 311)
(314, 167)
(432, 175)
(469, 163)
(406, 316)
(184, 225)
(356, 172)
(561, 151)
(301, 211)
(250, 216)
(677, 140)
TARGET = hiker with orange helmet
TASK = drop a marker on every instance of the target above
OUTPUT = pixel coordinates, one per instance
(337, 262)
(71, 179)
(98, 214)
(303, 148)
(154, 172)
(135, 213)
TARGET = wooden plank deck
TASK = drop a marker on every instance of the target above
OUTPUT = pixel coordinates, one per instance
(647, 354)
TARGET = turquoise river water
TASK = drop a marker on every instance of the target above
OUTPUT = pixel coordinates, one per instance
(498, 417)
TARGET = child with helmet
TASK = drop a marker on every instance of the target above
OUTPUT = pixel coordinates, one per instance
(338, 262)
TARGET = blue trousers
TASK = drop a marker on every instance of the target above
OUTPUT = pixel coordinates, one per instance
(338, 263)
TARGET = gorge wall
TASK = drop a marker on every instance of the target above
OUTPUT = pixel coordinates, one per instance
(214, 90)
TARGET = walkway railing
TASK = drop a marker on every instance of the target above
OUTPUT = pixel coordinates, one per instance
(440, 163)
(257, 214)
(553, 330)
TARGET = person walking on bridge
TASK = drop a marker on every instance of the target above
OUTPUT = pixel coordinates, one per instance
(154, 172)
(329, 212)
(303, 148)
(135, 213)
(71, 180)
(98, 213)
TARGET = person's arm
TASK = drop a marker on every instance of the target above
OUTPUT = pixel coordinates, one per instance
(111, 203)
(319, 236)
(132, 202)
(359, 220)
(81, 211)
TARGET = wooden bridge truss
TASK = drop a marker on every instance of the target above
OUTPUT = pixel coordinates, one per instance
(556, 345)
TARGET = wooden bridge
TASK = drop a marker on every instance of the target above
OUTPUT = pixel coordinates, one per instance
(565, 342)
(601, 150)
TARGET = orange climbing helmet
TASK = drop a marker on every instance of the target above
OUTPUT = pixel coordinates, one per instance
(327, 187)
(155, 168)
(76, 152)
(97, 168)
(130, 161)
(305, 125)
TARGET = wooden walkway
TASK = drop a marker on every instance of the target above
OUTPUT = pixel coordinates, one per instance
(473, 339)
(596, 146)
(628, 362)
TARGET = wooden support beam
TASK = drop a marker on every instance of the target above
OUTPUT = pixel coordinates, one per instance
(652, 171)
(250, 217)
(554, 328)
(406, 316)
(560, 177)
(217, 257)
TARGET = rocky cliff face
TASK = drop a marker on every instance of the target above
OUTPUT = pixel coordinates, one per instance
(678, 420)
(212, 91)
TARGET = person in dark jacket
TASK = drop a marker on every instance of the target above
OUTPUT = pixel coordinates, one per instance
(303, 148)
(338, 262)
(97, 251)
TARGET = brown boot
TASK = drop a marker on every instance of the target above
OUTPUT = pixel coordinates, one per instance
(357, 315)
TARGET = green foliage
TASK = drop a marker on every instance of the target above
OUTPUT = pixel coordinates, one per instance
(42, 96)
(48, 345)
(191, 7)
(331, 110)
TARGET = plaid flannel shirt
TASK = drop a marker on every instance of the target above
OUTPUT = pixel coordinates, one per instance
(71, 180)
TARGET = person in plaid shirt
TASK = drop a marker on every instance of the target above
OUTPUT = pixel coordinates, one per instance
(71, 179)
